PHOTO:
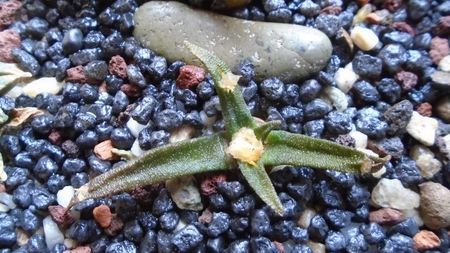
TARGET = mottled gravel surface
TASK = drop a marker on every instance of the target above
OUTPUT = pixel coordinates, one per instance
(384, 90)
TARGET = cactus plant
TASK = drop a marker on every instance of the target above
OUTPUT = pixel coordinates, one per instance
(245, 144)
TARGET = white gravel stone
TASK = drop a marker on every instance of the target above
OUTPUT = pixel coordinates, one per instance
(181, 134)
(70, 243)
(444, 64)
(65, 195)
(425, 160)
(22, 237)
(391, 193)
(52, 233)
(136, 150)
(447, 143)
(360, 139)
(185, 193)
(42, 85)
(336, 97)
(345, 78)
(4, 208)
(15, 92)
(364, 38)
(422, 128)
(207, 121)
(134, 127)
(7, 200)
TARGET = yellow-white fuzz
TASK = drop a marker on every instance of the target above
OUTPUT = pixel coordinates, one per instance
(245, 147)
(229, 81)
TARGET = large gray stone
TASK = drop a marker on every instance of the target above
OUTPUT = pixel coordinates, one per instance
(290, 52)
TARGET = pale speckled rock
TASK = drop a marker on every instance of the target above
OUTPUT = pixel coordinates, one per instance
(435, 205)
(305, 219)
(185, 193)
(335, 97)
(444, 64)
(42, 85)
(422, 128)
(391, 193)
(345, 78)
(65, 195)
(182, 133)
(290, 52)
(136, 150)
(134, 127)
(425, 160)
(52, 233)
(364, 38)
(360, 139)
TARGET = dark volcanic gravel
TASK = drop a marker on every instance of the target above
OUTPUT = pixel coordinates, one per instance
(127, 97)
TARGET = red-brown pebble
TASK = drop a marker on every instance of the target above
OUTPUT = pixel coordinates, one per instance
(425, 109)
(406, 79)
(2, 188)
(102, 215)
(209, 185)
(145, 195)
(131, 90)
(190, 76)
(439, 48)
(205, 217)
(8, 11)
(443, 29)
(80, 249)
(103, 150)
(9, 39)
(279, 246)
(76, 75)
(362, 2)
(386, 216)
(115, 227)
(117, 66)
(55, 137)
(404, 27)
(60, 215)
(425, 240)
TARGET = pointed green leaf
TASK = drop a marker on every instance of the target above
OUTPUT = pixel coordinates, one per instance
(283, 148)
(258, 179)
(263, 130)
(234, 110)
(170, 161)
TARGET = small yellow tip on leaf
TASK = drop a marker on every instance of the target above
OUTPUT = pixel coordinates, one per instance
(245, 147)
(229, 81)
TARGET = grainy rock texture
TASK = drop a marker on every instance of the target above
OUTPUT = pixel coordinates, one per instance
(9, 39)
(300, 51)
(435, 205)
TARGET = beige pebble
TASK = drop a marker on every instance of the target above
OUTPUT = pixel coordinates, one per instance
(422, 128)
(364, 38)
(444, 64)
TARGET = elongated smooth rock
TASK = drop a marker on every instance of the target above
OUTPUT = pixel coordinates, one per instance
(290, 52)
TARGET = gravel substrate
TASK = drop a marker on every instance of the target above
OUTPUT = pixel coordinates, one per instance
(385, 90)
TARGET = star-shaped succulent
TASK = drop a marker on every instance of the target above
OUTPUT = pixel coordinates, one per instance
(246, 144)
